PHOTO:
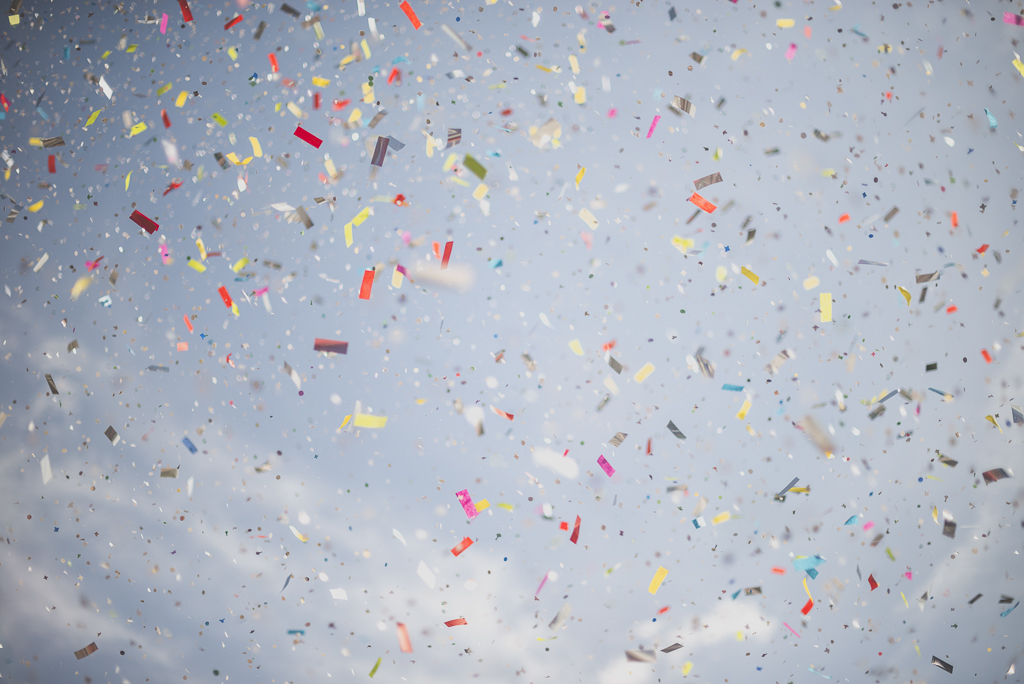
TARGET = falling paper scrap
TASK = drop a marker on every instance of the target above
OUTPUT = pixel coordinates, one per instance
(560, 618)
(681, 105)
(617, 439)
(641, 656)
(91, 648)
(942, 664)
(779, 359)
(996, 474)
(112, 435)
(675, 431)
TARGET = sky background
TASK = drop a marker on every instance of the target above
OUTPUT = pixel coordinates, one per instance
(208, 576)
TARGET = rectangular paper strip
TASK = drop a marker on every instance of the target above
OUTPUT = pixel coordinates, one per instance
(702, 203)
(144, 222)
(462, 546)
(605, 466)
(335, 346)
(467, 503)
(367, 284)
(659, 577)
(306, 136)
(825, 299)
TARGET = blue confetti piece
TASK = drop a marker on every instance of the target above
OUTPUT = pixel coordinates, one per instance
(851, 521)
(812, 573)
(495, 264)
(46, 117)
(992, 123)
(736, 593)
(400, 58)
(297, 631)
(67, 52)
(733, 388)
(1003, 614)
(807, 562)
(189, 445)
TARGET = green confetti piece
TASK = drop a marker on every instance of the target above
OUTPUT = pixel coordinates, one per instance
(220, 119)
(374, 670)
(164, 89)
(474, 166)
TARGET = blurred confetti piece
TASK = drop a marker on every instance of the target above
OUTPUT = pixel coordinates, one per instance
(298, 535)
(575, 346)
(656, 581)
(791, 51)
(403, 638)
(643, 373)
(750, 274)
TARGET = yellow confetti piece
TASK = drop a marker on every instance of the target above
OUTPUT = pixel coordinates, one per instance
(576, 347)
(935, 514)
(298, 535)
(739, 635)
(196, 266)
(574, 63)
(36, 207)
(294, 109)
(240, 264)
(319, 30)
(1018, 65)
(15, 19)
(81, 285)
(366, 48)
(905, 293)
(356, 115)
(644, 372)
(543, 68)
(480, 191)
(368, 96)
(219, 119)
(721, 518)
(659, 577)
(345, 422)
(347, 59)
(482, 505)
(750, 274)
(421, 402)
(137, 128)
(363, 214)
(579, 176)
(811, 282)
(800, 490)
(233, 54)
(368, 420)
(721, 274)
(234, 309)
(202, 248)
(807, 590)
(785, 23)
(180, 101)
(610, 384)
(164, 88)
(737, 52)
(589, 218)
(348, 235)
(683, 244)
(507, 507)
(257, 149)
(127, 180)
(132, 48)
(233, 158)
(717, 156)
(396, 278)
(580, 97)
(449, 162)
(825, 303)
(743, 410)
(828, 173)
(687, 666)
(889, 553)
(105, 54)
(321, 82)
(993, 421)
(377, 664)
(277, 107)
(35, 142)
(904, 600)
(92, 118)
(917, 648)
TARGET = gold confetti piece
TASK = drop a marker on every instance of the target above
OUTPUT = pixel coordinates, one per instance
(935, 514)
(298, 535)
(233, 158)
(807, 590)
(127, 179)
(576, 347)
(482, 505)
(589, 218)
(889, 553)
(717, 156)
(35, 142)
(659, 577)
(800, 490)
(643, 373)
(721, 518)
(1018, 65)
(368, 420)
(993, 421)
(905, 293)
(36, 207)
(81, 285)
(737, 52)
(420, 402)
(257, 149)
(182, 96)
(321, 82)
(345, 422)
(396, 278)
(743, 410)
(739, 635)
(580, 97)
(137, 128)
(202, 249)
(579, 176)
(811, 282)
(785, 23)
(904, 600)
(196, 266)
(750, 274)
(132, 48)
(574, 63)
(105, 54)
(825, 303)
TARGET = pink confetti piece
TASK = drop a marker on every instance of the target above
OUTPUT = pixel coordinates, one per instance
(402, 270)
(165, 255)
(791, 52)
(612, 112)
(1011, 18)
(654, 124)
(467, 503)
(542, 583)
(406, 238)
(260, 292)
(868, 526)
(587, 240)
(909, 575)
(605, 466)
(163, 24)
(792, 630)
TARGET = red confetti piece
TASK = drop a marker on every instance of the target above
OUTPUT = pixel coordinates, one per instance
(844, 218)
(985, 355)
(662, 611)
(872, 582)
(225, 296)
(447, 254)
(175, 184)
(576, 530)
(364, 289)
(186, 13)
(778, 571)
(5, 103)
(51, 162)
(167, 119)
(648, 446)
(188, 323)
(954, 219)
(456, 622)
(403, 638)
(273, 62)
(951, 309)
(436, 246)
(233, 22)
(306, 136)
(395, 74)
(702, 203)
(982, 249)
(316, 100)
(336, 346)
(338, 105)
(144, 222)
(563, 526)
(462, 546)
(413, 19)
(608, 346)
(807, 607)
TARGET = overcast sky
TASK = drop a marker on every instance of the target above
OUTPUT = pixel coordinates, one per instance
(869, 159)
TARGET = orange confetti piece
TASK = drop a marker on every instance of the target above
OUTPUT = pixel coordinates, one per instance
(954, 219)
(409, 12)
(844, 218)
(985, 355)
